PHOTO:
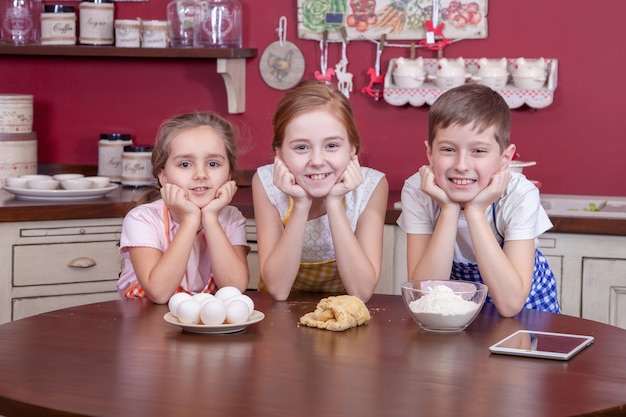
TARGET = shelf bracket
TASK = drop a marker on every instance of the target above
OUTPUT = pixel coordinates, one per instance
(233, 71)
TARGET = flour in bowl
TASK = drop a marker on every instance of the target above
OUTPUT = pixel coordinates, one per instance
(442, 300)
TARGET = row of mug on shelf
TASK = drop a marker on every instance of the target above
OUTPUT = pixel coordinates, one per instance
(527, 74)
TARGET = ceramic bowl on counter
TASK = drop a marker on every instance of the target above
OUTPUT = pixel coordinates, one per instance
(444, 305)
(76, 184)
(62, 177)
(43, 184)
(99, 181)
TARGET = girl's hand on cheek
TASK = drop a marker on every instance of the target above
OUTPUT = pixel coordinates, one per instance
(286, 181)
(178, 203)
(223, 196)
(429, 185)
(349, 180)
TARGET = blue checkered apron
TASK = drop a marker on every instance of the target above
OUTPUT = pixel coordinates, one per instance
(543, 294)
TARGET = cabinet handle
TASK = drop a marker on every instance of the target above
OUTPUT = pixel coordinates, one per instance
(82, 262)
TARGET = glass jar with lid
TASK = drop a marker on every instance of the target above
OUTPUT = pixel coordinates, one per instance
(218, 24)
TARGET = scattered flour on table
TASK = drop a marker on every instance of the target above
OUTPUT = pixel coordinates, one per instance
(442, 300)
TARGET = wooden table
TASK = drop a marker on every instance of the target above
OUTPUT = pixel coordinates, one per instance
(121, 358)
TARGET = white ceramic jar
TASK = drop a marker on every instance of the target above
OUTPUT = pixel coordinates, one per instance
(110, 150)
(137, 166)
(96, 22)
(58, 25)
(127, 33)
(154, 34)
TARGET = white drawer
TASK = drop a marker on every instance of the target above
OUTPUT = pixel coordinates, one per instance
(48, 263)
(25, 307)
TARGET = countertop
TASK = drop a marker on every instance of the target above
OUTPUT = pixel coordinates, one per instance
(119, 202)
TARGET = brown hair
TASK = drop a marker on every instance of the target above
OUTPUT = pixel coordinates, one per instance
(172, 127)
(471, 104)
(312, 95)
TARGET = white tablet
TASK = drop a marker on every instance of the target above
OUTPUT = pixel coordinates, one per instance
(547, 345)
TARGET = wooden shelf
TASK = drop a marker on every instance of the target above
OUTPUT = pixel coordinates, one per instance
(231, 62)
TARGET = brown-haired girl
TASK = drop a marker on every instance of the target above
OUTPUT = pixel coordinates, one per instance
(191, 239)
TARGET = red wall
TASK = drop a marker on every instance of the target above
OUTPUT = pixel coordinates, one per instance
(578, 141)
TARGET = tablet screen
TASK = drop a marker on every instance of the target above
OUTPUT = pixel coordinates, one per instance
(542, 344)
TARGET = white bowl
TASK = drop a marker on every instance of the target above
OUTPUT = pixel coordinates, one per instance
(16, 182)
(444, 306)
(36, 177)
(43, 184)
(77, 184)
(62, 177)
(99, 181)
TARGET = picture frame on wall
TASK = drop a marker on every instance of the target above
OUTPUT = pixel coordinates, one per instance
(396, 19)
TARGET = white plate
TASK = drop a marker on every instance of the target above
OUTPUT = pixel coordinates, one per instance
(60, 195)
(255, 317)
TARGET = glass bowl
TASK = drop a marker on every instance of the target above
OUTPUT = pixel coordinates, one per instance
(444, 306)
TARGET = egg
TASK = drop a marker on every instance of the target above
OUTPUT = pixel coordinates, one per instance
(188, 312)
(213, 312)
(202, 297)
(227, 292)
(245, 299)
(176, 299)
(237, 312)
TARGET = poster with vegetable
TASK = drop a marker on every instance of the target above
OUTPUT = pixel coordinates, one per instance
(396, 19)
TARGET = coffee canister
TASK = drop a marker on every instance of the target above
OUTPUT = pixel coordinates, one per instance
(96, 22)
(58, 25)
(110, 149)
(18, 154)
(137, 166)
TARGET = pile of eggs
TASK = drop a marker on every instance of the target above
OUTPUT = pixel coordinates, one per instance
(227, 306)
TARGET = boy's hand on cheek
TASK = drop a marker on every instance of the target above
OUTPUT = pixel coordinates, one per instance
(430, 187)
(493, 191)
(350, 179)
(286, 181)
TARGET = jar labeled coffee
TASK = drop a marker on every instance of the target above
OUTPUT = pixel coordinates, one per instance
(137, 166)
(96, 22)
(58, 25)
(110, 149)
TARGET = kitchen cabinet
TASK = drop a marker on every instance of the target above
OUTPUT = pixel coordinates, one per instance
(231, 62)
(592, 272)
(48, 265)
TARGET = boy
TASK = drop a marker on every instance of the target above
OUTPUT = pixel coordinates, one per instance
(467, 216)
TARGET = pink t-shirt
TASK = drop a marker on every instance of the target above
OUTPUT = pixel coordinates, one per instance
(143, 226)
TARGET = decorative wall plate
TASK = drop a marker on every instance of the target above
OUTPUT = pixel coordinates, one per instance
(282, 66)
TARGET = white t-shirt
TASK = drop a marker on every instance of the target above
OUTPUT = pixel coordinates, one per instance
(143, 226)
(519, 215)
(318, 243)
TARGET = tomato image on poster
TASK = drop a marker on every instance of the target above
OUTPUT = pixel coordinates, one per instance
(396, 19)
